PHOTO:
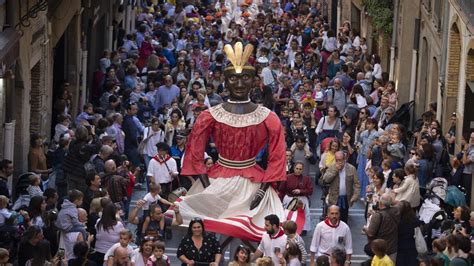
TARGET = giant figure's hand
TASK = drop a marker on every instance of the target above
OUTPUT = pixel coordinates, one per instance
(257, 198)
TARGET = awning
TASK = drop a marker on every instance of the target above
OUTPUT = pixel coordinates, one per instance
(9, 46)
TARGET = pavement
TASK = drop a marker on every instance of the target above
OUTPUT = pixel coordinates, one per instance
(356, 222)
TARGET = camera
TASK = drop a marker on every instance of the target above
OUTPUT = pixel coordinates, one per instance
(376, 207)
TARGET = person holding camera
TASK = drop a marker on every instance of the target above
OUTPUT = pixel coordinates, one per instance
(384, 225)
(344, 186)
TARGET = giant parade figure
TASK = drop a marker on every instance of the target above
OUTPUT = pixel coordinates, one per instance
(235, 194)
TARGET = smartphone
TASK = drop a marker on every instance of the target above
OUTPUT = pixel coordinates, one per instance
(61, 252)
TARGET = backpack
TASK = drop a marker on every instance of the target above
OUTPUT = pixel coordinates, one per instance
(332, 90)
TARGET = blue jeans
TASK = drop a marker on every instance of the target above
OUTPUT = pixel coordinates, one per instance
(363, 178)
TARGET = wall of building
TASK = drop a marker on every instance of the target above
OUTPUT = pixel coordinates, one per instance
(408, 13)
(34, 73)
(429, 60)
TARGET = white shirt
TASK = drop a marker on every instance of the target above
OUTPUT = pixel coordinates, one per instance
(67, 241)
(154, 137)
(4, 214)
(137, 258)
(159, 172)
(377, 72)
(325, 238)
(104, 239)
(150, 199)
(267, 76)
(342, 182)
(267, 246)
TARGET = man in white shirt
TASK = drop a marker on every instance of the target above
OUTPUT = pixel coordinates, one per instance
(331, 233)
(274, 242)
(270, 74)
(162, 169)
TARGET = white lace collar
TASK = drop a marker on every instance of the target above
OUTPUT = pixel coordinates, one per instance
(239, 120)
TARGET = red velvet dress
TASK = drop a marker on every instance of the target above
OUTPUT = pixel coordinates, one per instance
(225, 204)
(237, 144)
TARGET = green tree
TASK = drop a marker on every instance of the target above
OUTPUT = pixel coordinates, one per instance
(381, 12)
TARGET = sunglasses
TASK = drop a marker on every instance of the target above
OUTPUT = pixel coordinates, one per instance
(196, 219)
(148, 238)
(412, 153)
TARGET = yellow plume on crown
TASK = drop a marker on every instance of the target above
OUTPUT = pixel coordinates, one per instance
(238, 56)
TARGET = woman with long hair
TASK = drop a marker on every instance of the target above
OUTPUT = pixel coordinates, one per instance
(375, 190)
(108, 232)
(241, 257)
(329, 155)
(461, 216)
(180, 72)
(198, 246)
(36, 210)
(141, 254)
(173, 125)
(406, 252)
(366, 139)
(391, 93)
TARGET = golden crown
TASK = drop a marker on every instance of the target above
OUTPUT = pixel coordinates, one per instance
(238, 56)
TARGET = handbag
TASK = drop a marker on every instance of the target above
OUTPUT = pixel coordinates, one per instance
(420, 242)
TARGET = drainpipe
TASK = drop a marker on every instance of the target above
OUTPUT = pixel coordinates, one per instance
(338, 25)
(394, 40)
(128, 12)
(84, 78)
(133, 17)
(442, 73)
(414, 67)
(9, 147)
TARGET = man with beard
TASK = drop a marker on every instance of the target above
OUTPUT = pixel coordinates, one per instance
(273, 242)
(329, 234)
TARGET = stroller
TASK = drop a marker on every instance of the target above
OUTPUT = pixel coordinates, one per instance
(23, 198)
(438, 205)
(402, 115)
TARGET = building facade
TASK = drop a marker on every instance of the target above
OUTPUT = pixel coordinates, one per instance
(430, 56)
(43, 45)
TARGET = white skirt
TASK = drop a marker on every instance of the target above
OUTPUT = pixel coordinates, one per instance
(225, 207)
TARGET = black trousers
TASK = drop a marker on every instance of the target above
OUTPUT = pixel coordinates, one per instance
(466, 182)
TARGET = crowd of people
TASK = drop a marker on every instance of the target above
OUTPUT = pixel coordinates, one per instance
(336, 107)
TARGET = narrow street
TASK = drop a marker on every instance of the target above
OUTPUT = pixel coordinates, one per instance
(356, 222)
